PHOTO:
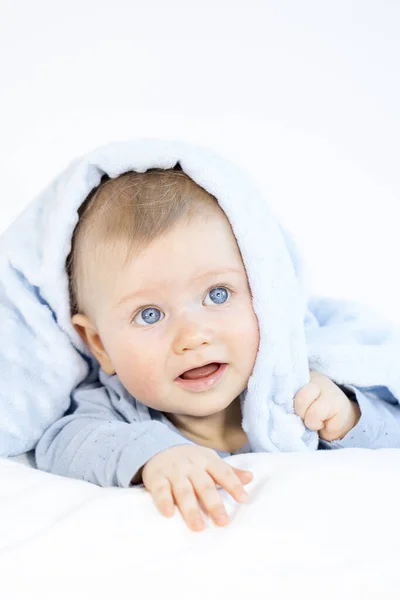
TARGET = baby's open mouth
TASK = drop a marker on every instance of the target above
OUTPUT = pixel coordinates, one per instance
(200, 372)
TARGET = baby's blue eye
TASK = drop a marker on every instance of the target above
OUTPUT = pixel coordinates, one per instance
(219, 295)
(149, 316)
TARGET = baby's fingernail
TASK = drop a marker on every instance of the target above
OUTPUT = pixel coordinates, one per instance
(243, 496)
(221, 518)
(198, 523)
(169, 511)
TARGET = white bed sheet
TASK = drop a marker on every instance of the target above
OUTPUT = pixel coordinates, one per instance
(318, 525)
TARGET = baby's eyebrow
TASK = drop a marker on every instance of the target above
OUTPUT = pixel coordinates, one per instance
(199, 276)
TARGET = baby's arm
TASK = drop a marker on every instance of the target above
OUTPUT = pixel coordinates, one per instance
(107, 441)
(378, 426)
(97, 444)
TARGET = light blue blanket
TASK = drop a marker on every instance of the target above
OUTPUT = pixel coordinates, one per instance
(42, 358)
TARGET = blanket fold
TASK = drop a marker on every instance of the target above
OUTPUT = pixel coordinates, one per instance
(43, 359)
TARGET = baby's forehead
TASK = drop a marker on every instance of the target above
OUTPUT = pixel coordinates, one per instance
(195, 248)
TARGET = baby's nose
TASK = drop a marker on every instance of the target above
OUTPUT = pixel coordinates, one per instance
(192, 334)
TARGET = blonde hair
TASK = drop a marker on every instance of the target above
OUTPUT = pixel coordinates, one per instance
(129, 212)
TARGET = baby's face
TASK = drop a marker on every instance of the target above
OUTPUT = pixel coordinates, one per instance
(182, 302)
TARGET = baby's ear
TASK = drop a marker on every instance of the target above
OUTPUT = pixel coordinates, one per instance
(91, 337)
(80, 323)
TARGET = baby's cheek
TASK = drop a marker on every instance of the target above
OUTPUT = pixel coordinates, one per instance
(250, 327)
(245, 331)
(137, 372)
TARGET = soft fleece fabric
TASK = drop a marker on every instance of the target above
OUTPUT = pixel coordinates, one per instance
(43, 359)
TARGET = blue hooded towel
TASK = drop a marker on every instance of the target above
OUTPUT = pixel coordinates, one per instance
(43, 359)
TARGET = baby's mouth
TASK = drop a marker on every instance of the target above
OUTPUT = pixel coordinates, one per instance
(200, 372)
(202, 379)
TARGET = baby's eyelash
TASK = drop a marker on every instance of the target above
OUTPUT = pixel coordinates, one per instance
(220, 285)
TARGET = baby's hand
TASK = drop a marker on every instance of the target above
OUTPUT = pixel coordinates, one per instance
(177, 474)
(325, 408)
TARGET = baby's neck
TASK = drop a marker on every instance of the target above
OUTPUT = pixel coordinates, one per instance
(222, 431)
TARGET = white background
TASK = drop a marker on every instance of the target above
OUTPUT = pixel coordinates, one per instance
(304, 95)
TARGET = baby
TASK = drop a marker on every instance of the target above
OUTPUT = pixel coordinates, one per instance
(160, 295)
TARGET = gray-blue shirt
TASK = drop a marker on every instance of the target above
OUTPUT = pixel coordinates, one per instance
(107, 435)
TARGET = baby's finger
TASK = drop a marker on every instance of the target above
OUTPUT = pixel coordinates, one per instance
(244, 476)
(304, 398)
(209, 496)
(225, 476)
(321, 410)
(162, 497)
(332, 429)
(186, 500)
